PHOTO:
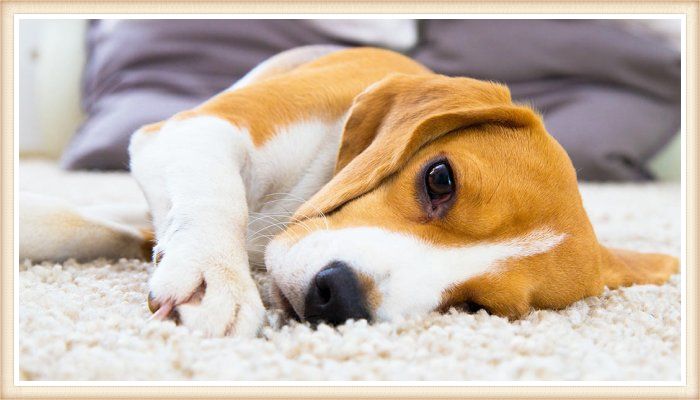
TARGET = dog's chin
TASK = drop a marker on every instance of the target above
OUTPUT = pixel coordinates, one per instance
(280, 301)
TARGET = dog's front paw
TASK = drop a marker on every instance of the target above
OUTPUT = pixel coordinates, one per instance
(228, 307)
(205, 292)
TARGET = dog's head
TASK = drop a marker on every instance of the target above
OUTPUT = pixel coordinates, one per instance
(445, 194)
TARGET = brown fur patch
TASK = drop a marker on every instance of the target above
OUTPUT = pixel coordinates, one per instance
(149, 241)
(512, 178)
(152, 128)
(280, 100)
(370, 291)
(625, 267)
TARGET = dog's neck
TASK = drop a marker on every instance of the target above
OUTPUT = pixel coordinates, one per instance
(285, 172)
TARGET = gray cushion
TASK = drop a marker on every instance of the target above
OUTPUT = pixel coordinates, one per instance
(611, 97)
(144, 71)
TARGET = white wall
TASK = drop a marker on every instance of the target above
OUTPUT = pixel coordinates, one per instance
(51, 57)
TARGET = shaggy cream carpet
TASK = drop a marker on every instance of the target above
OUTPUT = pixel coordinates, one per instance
(89, 321)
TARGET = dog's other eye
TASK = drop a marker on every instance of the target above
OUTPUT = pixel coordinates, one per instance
(439, 182)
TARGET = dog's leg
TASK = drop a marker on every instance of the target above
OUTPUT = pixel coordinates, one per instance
(191, 174)
(52, 229)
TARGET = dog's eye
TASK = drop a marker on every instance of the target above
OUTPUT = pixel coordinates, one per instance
(439, 182)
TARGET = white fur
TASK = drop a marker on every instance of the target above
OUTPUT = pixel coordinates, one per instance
(201, 177)
(284, 173)
(409, 273)
(190, 172)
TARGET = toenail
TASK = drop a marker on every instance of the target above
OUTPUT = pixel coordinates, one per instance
(158, 257)
(153, 305)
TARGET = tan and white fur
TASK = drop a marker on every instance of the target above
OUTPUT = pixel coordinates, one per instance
(324, 146)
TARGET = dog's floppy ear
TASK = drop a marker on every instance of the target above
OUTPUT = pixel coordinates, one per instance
(627, 267)
(394, 117)
(394, 108)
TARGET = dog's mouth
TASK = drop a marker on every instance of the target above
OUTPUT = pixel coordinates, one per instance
(281, 301)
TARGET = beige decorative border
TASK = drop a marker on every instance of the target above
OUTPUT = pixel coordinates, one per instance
(10, 8)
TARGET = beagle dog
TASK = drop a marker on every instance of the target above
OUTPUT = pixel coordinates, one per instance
(369, 187)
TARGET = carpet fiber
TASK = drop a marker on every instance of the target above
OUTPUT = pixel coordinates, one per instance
(89, 321)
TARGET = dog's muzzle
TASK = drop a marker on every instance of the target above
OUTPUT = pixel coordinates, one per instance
(335, 296)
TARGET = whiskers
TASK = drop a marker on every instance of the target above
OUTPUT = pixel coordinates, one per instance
(268, 225)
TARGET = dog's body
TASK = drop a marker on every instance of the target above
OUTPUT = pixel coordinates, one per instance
(410, 192)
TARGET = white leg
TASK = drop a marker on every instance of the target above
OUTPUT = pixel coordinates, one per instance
(53, 229)
(190, 172)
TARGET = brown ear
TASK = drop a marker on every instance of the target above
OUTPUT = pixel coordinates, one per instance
(626, 267)
(396, 116)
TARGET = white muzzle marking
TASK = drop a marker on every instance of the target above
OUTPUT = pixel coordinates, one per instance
(409, 273)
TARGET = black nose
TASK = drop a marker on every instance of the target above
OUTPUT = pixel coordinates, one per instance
(335, 296)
